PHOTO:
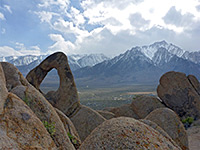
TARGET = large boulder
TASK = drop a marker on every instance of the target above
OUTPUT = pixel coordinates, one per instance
(123, 111)
(71, 130)
(106, 114)
(18, 85)
(20, 128)
(66, 97)
(158, 128)
(194, 137)
(126, 133)
(3, 90)
(86, 120)
(143, 105)
(169, 121)
(181, 93)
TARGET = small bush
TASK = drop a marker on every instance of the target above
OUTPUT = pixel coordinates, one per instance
(187, 122)
(72, 138)
(50, 127)
(27, 100)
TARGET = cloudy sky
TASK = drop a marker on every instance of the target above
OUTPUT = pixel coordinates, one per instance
(96, 26)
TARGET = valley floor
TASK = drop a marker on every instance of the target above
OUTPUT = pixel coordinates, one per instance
(102, 97)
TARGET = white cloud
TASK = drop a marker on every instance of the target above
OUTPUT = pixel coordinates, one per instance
(61, 4)
(3, 31)
(108, 26)
(60, 44)
(8, 51)
(98, 12)
(23, 50)
(8, 8)
(20, 46)
(76, 16)
(104, 13)
(46, 16)
(2, 16)
(176, 18)
(68, 27)
(56, 37)
(19, 51)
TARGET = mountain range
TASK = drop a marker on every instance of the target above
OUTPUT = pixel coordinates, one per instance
(139, 65)
(28, 62)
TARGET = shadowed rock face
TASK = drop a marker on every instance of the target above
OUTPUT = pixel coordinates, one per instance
(181, 93)
(66, 97)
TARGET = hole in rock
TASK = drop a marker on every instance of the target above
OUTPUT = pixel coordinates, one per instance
(51, 82)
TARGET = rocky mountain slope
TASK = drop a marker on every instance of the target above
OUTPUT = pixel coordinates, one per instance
(139, 65)
(143, 65)
(28, 62)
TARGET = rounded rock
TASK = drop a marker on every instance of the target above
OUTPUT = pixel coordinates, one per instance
(169, 121)
(126, 133)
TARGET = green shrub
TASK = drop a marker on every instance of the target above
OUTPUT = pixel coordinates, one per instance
(188, 120)
(50, 127)
(27, 100)
(72, 138)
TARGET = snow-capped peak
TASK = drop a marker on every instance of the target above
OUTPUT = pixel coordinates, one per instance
(150, 50)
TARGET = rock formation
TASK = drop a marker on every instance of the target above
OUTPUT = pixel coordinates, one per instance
(158, 128)
(86, 120)
(3, 90)
(19, 126)
(180, 93)
(140, 107)
(194, 137)
(143, 105)
(34, 100)
(106, 114)
(126, 133)
(124, 110)
(66, 97)
(171, 124)
(71, 130)
(29, 119)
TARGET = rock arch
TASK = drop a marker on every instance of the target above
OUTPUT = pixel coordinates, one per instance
(66, 97)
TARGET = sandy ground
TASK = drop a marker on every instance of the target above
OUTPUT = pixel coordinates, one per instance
(194, 138)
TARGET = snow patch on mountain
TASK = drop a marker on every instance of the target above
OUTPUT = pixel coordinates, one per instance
(75, 61)
(151, 50)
